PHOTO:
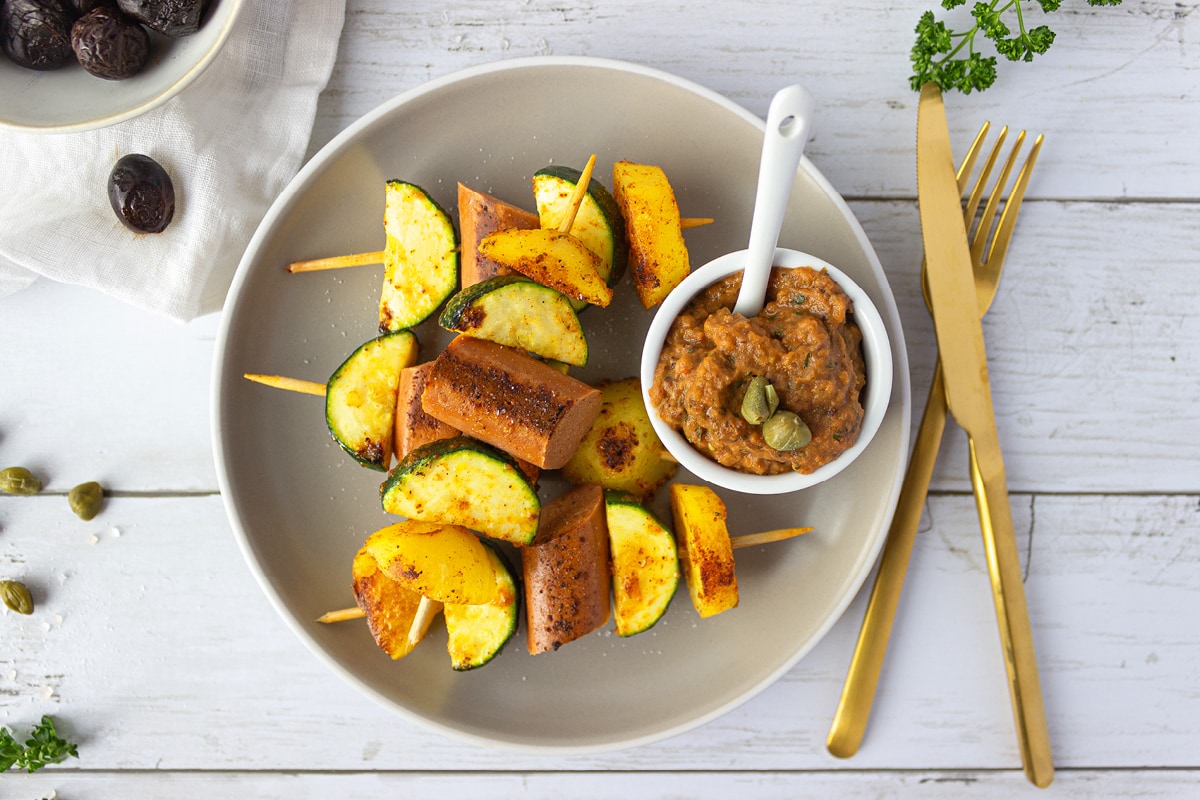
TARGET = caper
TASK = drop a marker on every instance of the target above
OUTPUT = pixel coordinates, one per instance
(18, 480)
(786, 431)
(85, 499)
(760, 401)
(16, 596)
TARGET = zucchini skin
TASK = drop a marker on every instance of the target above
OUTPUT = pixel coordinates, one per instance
(461, 621)
(421, 260)
(609, 209)
(517, 311)
(645, 563)
(511, 517)
(371, 444)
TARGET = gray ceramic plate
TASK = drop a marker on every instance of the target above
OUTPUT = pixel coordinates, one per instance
(69, 99)
(301, 509)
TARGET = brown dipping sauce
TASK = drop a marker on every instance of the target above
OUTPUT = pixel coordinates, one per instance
(802, 341)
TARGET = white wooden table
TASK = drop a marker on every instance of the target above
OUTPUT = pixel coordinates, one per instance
(154, 648)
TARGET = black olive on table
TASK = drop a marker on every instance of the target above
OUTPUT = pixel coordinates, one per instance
(141, 193)
(172, 18)
(36, 34)
(110, 45)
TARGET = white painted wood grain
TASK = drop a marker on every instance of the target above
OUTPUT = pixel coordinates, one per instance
(1120, 85)
(157, 651)
(1093, 344)
(884, 785)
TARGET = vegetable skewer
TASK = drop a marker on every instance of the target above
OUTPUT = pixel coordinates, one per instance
(376, 257)
(737, 542)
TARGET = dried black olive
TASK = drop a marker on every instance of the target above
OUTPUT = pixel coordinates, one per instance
(84, 6)
(169, 17)
(110, 45)
(141, 193)
(36, 34)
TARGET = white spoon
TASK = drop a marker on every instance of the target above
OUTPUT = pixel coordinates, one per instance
(789, 120)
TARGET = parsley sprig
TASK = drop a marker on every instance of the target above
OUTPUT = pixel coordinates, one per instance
(43, 747)
(952, 58)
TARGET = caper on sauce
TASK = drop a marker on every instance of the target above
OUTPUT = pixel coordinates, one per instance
(786, 431)
(781, 429)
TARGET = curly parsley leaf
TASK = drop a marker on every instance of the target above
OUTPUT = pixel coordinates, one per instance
(952, 58)
(43, 747)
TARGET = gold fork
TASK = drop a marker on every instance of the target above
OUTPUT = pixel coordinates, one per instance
(858, 693)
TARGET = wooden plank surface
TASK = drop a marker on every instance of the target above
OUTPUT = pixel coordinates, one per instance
(882, 785)
(156, 650)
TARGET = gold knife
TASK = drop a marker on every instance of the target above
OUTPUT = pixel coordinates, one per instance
(959, 332)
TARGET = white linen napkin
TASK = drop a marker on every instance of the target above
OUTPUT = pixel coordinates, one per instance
(230, 141)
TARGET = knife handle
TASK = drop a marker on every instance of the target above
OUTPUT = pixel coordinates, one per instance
(1008, 591)
(858, 693)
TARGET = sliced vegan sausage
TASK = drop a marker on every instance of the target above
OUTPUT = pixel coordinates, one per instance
(414, 427)
(567, 570)
(510, 400)
(479, 215)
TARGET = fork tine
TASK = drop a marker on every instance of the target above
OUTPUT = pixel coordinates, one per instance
(972, 204)
(984, 229)
(968, 162)
(1008, 219)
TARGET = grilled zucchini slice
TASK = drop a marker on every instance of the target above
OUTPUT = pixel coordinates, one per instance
(420, 257)
(516, 311)
(598, 224)
(360, 397)
(463, 481)
(645, 564)
(477, 633)
(621, 451)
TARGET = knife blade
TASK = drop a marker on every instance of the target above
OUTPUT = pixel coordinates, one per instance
(963, 355)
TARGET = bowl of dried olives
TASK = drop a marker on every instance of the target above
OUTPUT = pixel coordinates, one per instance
(70, 65)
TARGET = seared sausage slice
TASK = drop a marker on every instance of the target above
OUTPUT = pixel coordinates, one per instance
(414, 427)
(567, 570)
(510, 400)
(479, 215)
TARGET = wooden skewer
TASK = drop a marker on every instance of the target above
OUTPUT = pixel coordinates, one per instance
(337, 262)
(581, 187)
(766, 537)
(428, 609)
(287, 384)
(376, 257)
(342, 615)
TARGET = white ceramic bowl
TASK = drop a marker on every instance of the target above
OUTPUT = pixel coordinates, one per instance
(877, 353)
(301, 509)
(70, 99)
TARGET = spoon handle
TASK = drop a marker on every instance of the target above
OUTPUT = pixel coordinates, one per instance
(789, 120)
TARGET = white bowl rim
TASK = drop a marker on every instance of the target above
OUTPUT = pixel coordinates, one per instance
(876, 352)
